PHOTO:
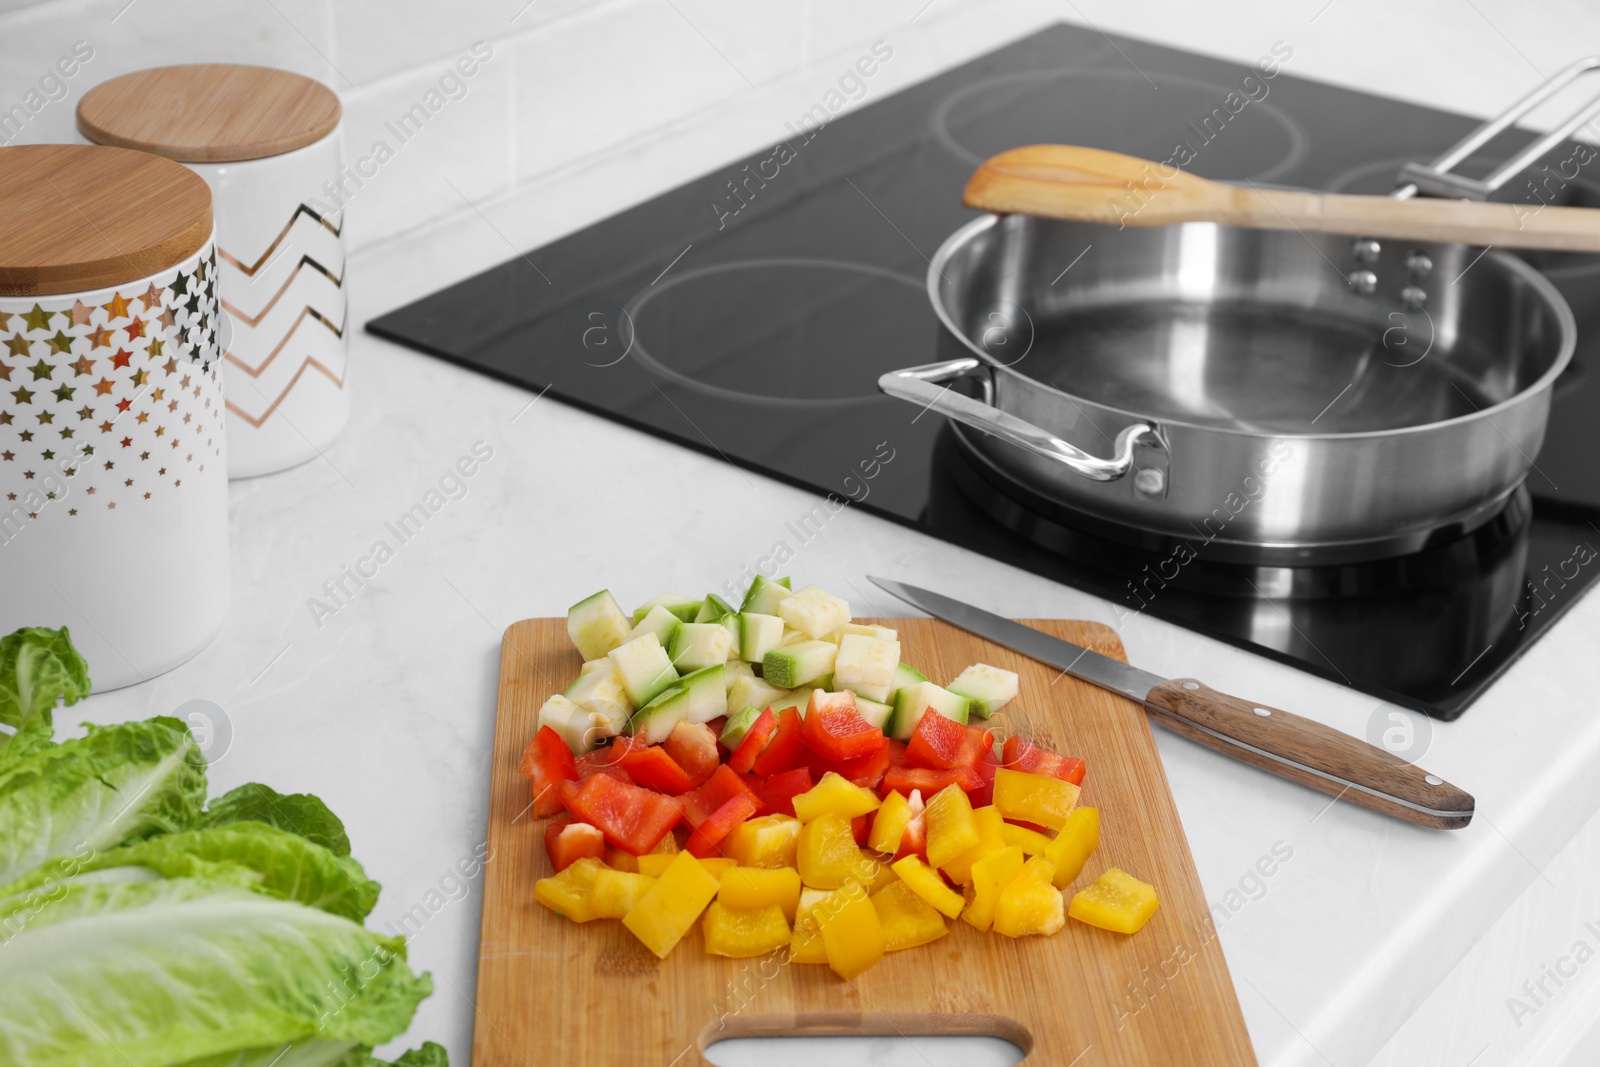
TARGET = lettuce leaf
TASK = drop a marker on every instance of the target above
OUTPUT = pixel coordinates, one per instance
(316, 1052)
(38, 668)
(119, 784)
(151, 974)
(251, 854)
(298, 813)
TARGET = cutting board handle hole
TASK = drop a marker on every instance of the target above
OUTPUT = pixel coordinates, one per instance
(931, 1040)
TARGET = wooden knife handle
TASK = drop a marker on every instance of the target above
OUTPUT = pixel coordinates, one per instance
(1310, 753)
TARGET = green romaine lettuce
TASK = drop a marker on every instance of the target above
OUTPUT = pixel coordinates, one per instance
(298, 813)
(315, 1052)
(38, 667)
(151, 974)
(119, 784)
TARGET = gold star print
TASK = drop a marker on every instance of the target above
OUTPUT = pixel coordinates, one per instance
(22, 396)
(121, 358)
(100, 337)
(5, 317)
(38, 318)
(127, 442)
(177, 482)
(157, 394)
(147, 496)
(166, 319)
(72, 511)
(84, 414)
(140, 377)
(170, 365)
(163, 470)
(43, 370)
(8, 456)
(124, 404)
(90, 490)
(18, 345)
(185, 383)
(103, 386)
(84, 366)
(155, 347)
(172, 405)
(62, 393)
(88, 450)
(186, 416)
(128, 482)
(5, 373)
(46, 418)
(80, 313)
(5, 418)
(135, 328)
(105, 427)
(118, 308)
(26, 435)
(110, 465)
(66, 432)
(160, 430)
(59, 343)
(151, 297)
(142, 417)
(111, 505)
(144, 455)
(47, 454)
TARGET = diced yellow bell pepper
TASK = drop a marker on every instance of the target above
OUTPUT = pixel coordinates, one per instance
(806, 945)
(990, 876)
(835, 795)
(850, 931)
(1074, 844)
(905, 918)
(619, 860)
(872, 872)
(951, 829)
(655, 864)
(925, 882)
(889, 825)
(717, 866)
(616, 892)
(749, 888)
(1031, 904)
(1116, 901)
(1034, 798)
(1032, 842)
(991, 839)
(827, 854)
(765, 841)
(665, 913)
(570, 892)
(742, 934)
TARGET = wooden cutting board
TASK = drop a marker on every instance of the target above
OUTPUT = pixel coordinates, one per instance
(554, 991)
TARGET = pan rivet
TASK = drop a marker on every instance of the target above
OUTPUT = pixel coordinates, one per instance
(1419, 265)
(1413, 296)
(1434, 779)
(1366, 250)
(1191, 685)
(1263, 712)
(1149, 480)
(1364, 282)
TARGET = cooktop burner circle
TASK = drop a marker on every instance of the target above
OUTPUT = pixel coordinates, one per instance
(1380, 177)
(787, 309)
(1127, 114)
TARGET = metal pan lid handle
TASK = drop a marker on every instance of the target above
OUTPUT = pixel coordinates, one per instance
(928, 386)
(1438, 178)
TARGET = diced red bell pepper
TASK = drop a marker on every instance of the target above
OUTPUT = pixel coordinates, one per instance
(693, 747)
(914, 838)
(930, 781)
(651, 767)
(863, 770)
(861, 829)
(982, 739)
(778, 792)
(601, 761)
(546, 763)
(567, 842)
(987, 764)
(1019, 754)
(939, 743)
(755, 739)
(719, 824)
(723, 785)
(631, 817)
(786, 750)
(835, 730)
(716, 725)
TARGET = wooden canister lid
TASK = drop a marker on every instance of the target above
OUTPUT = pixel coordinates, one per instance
(80, 217)
(209, 112)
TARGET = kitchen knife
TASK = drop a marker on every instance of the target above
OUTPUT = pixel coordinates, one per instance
(1292, 747)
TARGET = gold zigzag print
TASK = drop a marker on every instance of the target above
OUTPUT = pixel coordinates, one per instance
(310, 362)
(299, 210)
(305, 261)
(255, 372)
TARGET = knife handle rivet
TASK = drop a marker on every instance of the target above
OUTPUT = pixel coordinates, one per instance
(1434, 779)
(1191, 685)
(1263, 712)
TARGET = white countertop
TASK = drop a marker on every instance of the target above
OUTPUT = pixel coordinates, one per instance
(386, 709)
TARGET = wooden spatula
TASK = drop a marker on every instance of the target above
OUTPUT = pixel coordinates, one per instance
(1090, 185)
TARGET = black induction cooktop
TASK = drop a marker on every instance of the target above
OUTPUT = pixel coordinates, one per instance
(748, 314)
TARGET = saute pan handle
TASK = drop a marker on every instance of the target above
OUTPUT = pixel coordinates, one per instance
(927, 386)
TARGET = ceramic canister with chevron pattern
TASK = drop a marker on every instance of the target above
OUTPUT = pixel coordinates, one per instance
(113, 480)
(267, 143)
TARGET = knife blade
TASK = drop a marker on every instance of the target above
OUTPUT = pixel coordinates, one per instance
(1291, 746)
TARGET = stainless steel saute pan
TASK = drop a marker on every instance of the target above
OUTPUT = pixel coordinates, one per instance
(1289, 396)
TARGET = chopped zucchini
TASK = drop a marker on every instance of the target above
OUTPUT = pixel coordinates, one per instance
(698, 645)
(880, 633)
(659, 621)
(737, 726)
(798, 664)
(905, 675)
(798, 699)
(814, 612)
(730, 623)
(866, 666)
(645, 667)
(712, 608)
(912, 702)
(875, 713)
(990, 688)
(734, 669)
(697, 697)
(758, 635)
(763, 595)
(791, 637)
(682, 607)
(580, 728)
(597, 624)
(601, 692)
(745, 692)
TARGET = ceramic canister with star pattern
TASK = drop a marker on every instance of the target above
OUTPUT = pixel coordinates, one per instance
(267, 142)
(113, 472)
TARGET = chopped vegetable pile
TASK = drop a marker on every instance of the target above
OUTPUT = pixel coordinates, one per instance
(776, 773)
